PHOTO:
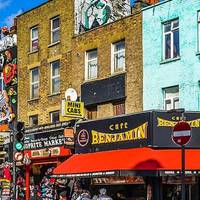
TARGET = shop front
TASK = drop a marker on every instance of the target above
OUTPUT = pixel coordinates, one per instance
(137, 148)
(44, 150)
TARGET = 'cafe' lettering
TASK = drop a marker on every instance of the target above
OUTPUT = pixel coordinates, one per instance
(131, 135)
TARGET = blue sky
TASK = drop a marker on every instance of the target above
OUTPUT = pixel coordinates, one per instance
(10, 8)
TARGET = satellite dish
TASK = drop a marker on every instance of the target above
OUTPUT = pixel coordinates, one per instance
(70, 94)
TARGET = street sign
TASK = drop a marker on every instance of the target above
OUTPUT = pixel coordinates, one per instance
(18, 156)
(181, 133)
(18, 146)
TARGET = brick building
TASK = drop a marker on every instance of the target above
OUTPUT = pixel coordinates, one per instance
(101, 58)
(44, 36)
(38, 56)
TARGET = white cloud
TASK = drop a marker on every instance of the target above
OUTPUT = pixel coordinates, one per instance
(4, 4)
(9, 20)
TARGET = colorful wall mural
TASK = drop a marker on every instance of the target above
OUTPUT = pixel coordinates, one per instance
(93, 13)
(8, 90)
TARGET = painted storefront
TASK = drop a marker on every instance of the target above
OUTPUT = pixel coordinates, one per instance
(182, 71)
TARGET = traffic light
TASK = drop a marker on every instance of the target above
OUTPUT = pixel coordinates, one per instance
(19, 137)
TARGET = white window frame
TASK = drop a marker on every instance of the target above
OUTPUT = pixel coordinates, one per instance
(171, 99)
(113, 53)
(33, 39)
(54, 30)
(87, 60)
(51, 115)
(172, 38)
(33, 83)
(198, 21)
(54, 77)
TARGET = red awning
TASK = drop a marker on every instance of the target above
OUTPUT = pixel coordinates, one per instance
(138, 159)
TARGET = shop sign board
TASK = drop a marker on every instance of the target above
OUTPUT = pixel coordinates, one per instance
(40, 153)
(73, 109)
(45, 136)
(44, 140)
(163, 123)
(125, 131)
(104, 90)
(113, 180)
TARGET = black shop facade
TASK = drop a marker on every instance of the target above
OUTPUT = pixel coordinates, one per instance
(135, 154)
(45, 147)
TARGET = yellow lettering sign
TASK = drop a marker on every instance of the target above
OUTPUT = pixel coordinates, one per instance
(137, 133)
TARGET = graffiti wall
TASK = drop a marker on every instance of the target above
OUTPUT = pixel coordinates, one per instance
(8, 86)
(93, 13)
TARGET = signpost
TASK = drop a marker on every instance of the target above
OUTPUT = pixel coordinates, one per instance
(181, 136)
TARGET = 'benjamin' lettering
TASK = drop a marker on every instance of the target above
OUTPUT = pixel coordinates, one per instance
(134, 134)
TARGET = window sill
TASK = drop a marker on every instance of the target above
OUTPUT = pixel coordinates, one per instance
(32, 52)
(170, 60)
(198, 53)
(118, 72)
(53, 44)
(52, 95)
(32, 100)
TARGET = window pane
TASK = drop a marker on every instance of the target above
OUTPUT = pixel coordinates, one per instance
(167, 46)
(175, 24)
(168, 105)
(35, 90)
(171, 92)
(92, 54)
(55, 68)
(55, 85)
(176, 44)
(56, 36)
(119, 60)
(34, 33)
(119, 108)
(167, 27)
(54, 117)
(33, 120)
(55, 23)
(92, 113)
(92, 69)
(119, 46)
(35, 45)
(35, 76)
(176, 103)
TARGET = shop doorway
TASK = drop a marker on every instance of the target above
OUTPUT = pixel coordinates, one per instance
(172, 188)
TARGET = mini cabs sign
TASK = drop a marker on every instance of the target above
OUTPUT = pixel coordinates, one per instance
(73, 109)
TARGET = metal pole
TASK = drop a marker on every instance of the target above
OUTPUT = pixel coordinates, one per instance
(183, 173)
(14, 168)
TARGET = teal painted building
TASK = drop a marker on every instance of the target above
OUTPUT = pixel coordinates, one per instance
(171, 55)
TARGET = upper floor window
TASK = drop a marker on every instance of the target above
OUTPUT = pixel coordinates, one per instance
(119, 108)
(55, 29)
(34, 83)
(199, 31)
(34, 39)
(92, 112)
(118, 56)
(171, 39)
(33, 120)
(55, 77)
(171, 98)
(91, 64)
(54, 116)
